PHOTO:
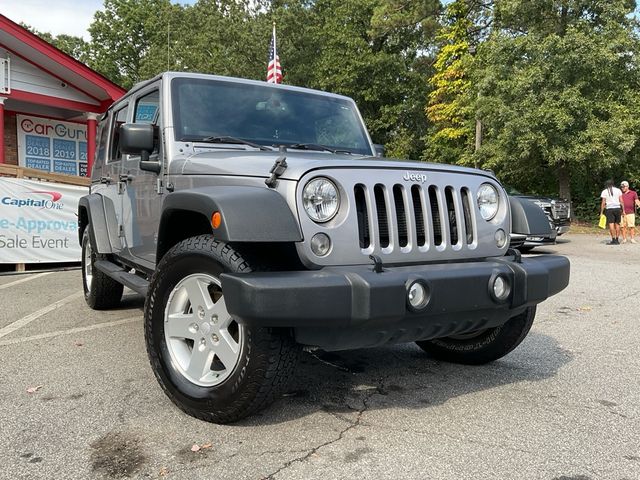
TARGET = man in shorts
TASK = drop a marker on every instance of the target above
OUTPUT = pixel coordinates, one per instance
(628, 200)
(610, 207)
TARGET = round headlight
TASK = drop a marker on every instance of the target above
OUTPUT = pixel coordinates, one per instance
(320, 199)
(488, 201)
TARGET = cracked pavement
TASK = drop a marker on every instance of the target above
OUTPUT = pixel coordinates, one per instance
(563, 406)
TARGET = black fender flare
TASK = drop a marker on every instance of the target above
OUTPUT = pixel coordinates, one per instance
(527, 218)
(96, 221)
(249, 214)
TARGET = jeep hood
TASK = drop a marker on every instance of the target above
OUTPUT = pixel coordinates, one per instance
(258, 164)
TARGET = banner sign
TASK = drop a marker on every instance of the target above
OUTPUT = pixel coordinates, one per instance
(52, 145)
(38, 221)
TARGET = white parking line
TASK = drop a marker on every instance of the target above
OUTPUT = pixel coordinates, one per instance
(13, 341)
(22, 280)
(12, 327)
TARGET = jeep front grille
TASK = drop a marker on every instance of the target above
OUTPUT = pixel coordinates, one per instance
(406, 217)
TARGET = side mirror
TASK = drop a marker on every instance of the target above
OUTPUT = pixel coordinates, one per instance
(379, 149)
(137, 139)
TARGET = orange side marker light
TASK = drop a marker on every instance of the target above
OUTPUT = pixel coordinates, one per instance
(216, 220)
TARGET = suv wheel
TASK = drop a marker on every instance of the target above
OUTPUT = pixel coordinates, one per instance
(209, 365)
(100, 291)
(483, 346)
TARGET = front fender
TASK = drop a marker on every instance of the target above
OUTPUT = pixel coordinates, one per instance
(528, 219)
(249, 214)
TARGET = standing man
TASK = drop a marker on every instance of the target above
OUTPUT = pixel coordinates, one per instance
(629, 201)
(610, 206)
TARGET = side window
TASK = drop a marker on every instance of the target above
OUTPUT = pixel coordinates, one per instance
(119, 118)
(103, 134)
(148, 111)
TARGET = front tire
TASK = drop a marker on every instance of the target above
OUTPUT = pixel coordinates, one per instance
(100, 291)
(483, 347)
(212, 367)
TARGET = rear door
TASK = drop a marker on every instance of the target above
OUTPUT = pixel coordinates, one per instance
(110, 186)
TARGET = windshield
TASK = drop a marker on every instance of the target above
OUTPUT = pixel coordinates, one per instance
(264, 115)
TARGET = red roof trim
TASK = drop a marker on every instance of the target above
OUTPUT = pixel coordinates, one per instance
(50, 73)
(35, 42)
(56, 101)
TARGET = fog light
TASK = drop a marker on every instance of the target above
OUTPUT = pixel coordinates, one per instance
(418, 295)
(501, 238)
(320, 244)
(501, 288)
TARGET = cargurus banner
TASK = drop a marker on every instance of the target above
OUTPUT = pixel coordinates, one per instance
(38, 221)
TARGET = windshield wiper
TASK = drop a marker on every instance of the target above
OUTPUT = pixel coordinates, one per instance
(316, 146)
(234, 140)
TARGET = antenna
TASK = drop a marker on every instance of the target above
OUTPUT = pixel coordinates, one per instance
(168, 38)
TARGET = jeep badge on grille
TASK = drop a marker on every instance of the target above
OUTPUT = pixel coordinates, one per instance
(415, 177)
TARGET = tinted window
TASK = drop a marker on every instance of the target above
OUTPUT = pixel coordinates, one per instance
(120, 117)
(265, 115)
(103, 134)
(148, 111)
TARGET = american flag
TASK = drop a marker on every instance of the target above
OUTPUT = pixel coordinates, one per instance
(274, 71)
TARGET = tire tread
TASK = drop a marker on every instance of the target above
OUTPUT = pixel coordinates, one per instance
(276, 353)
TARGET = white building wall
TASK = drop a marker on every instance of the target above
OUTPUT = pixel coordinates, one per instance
(29, 78)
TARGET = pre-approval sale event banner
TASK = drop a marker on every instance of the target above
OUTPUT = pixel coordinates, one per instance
(38, 222)
(52, 145)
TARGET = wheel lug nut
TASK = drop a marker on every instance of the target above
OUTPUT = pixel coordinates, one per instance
(214, 318)
(215, 338)
(200, 312)
(202, 345)
(193, 328)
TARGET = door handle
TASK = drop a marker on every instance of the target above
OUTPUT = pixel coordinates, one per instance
(125, 177)
(106, 180)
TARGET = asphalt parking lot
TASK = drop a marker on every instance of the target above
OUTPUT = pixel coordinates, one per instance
(78, 398)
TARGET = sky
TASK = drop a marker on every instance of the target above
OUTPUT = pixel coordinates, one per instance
(71, 17)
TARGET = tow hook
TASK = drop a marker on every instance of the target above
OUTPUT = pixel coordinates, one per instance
(377, 263)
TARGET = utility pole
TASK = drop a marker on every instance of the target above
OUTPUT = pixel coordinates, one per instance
(478, 141)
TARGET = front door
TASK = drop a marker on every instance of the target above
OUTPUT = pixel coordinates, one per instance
(142, 200)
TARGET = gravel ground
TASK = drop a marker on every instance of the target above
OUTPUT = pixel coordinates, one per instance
(564, 405)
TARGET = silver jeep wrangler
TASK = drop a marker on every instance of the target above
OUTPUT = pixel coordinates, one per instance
(257, 219)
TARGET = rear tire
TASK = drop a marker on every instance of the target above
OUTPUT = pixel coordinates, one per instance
(210, 366)
(484, 347)
(100, 291)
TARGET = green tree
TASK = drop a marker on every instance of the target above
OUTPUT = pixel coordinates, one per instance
(338, 47)
(450, 107)
(558, 83)
(125, 33)
(75, 47)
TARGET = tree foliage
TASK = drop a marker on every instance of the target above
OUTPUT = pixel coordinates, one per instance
(553, 82)
(558, 83)
(448, 109)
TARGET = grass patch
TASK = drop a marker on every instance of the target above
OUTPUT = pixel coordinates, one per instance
(587, 228)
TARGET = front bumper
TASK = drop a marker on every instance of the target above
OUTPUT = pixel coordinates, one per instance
(351, 307)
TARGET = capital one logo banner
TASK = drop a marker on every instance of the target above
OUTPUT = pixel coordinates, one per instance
(52, 145)
(38, 222)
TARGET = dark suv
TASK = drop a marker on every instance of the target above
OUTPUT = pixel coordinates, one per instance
(256, 219)
(558, 212)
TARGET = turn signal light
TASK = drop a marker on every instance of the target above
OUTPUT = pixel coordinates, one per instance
(216, 220)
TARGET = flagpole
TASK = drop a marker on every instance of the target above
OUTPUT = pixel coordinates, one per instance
(275, 52)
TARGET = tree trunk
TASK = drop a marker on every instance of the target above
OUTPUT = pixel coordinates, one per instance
(564, 181)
